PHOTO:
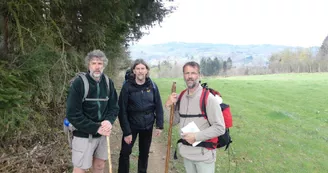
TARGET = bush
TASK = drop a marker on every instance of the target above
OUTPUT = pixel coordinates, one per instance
(13, 101)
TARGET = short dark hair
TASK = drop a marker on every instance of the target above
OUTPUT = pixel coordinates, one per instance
(192, 64)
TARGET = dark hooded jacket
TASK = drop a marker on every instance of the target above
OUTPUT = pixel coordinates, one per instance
(140, 106)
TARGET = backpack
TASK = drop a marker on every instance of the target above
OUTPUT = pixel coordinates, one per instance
(82, 75)
(217, 142)
(128, 76)
(67, 126)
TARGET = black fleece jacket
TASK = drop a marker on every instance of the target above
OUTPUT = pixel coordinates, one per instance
(86, 116)
(139, 106)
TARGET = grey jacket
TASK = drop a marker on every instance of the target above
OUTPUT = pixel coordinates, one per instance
(189, 105)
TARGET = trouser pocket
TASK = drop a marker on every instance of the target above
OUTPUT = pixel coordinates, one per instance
(79, 152)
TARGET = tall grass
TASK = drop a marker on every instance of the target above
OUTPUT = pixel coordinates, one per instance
(280, 122)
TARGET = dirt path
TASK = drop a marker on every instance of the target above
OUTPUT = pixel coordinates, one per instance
(157, 155)
(156, 163)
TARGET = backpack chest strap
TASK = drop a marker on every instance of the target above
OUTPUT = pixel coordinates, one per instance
(190, 116)
(97, 99)
(85, 81)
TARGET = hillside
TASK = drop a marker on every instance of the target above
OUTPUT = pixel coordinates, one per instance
(240, 54)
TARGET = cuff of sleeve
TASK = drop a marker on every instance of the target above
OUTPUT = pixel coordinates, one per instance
(97, 126)
(127, 134)
(161, 128)
(197, 137)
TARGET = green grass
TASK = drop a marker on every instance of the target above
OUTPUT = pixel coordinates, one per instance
(280, 122)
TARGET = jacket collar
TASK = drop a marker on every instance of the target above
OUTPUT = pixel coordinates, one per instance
(147, 82)
(92, 79)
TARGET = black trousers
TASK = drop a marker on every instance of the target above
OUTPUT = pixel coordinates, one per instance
(145, 137)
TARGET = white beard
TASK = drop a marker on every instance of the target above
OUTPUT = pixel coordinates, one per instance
(95, 75)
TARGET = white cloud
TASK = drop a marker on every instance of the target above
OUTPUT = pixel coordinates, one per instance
(283, 22)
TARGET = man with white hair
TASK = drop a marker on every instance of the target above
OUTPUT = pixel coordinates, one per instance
(91, 110)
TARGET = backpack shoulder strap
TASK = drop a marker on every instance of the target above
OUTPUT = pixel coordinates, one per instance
(154, 89)
(154, 85)
(107, 82)
(203, 101)
(85, 84)
(179, 99)
(181, 94)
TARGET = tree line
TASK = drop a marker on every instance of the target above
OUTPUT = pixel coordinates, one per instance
(301, 60)
(215, 66)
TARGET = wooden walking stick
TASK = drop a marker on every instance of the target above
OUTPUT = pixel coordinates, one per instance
(170, 132)
(109, 157)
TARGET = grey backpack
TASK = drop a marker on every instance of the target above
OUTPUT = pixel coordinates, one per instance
(86, 86)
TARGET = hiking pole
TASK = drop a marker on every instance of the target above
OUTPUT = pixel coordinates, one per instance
(170, 132)
(109, 157)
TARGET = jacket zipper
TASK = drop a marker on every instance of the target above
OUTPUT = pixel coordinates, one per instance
(142, 96)
(98, 102)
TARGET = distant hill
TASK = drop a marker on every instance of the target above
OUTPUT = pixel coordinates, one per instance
(181, 52)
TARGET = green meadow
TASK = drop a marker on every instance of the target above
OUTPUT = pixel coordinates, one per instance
(280, 122)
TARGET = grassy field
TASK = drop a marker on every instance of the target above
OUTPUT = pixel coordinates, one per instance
(280, 122)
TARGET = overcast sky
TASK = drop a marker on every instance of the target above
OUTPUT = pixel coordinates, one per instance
(282, 22)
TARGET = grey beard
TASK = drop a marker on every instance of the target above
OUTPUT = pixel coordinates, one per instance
(96, 75)
(193, 85)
